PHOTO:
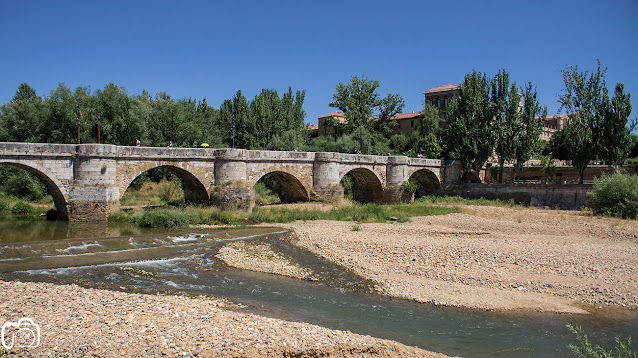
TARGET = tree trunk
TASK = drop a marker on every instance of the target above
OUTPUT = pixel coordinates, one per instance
(501, 163)
(581, 175)
(477, 171)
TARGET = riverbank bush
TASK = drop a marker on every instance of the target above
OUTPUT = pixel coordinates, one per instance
(162, 218)
(615, 195)
(585, 348)
(21, 208)
(4, 206)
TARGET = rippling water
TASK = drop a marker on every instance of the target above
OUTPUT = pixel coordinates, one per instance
(186, 262)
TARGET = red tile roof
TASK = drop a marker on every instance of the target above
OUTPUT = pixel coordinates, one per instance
(442, 88)
(333, 114)
(407, 115)
(343, 120)
(312, 127)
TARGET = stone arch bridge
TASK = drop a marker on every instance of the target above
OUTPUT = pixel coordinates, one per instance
(87, 181)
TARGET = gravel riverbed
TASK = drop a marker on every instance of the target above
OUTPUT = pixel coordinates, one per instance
(81, 322)
(491, 258)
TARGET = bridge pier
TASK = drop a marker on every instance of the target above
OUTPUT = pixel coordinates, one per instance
(397, 176)
(93, 192)
(231, 190)
(326, 179)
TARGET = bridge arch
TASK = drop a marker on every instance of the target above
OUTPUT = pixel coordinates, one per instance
(427, 181)
(51, 183)
(292, 189)
(194, 190)
(367, 188)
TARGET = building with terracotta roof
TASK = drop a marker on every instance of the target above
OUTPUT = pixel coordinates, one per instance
(552, 125)
(325, 130)
(312, 129)
(440, 97)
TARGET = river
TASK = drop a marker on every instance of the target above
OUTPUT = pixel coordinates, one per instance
(128, 258)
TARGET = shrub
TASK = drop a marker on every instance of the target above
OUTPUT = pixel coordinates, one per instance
(404, 219)
(171, 191)
(162, 218)
(585, 349)
(615, 195)
(411, 186)
(21, 208)
(4, 206)
(265, 196)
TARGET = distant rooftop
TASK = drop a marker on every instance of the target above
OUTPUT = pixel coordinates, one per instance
(442, 88)
(342, 119)
(333, 114)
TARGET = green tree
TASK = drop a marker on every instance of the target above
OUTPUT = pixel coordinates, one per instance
(291, 139)
(507, 118)
(427, 139)
(112, 117)
(615, 141)
(60, 125)
(356, 100)
(359, 100)
(532, 119)
(583, 99)
(21, 116)
(139, 114)
(389, 107)
(245, 126)
(470, 133)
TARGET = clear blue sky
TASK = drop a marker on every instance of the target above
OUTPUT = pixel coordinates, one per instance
(214, 48)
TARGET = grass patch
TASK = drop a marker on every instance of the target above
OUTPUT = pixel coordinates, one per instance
(181, 217)
(459, 200)
(152, 193)
(265, 196)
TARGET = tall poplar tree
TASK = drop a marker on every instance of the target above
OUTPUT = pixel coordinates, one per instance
(583, 99)
(615, 141)
(470, 127)
(507, 118)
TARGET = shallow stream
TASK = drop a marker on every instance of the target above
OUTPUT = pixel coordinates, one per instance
(146, 261)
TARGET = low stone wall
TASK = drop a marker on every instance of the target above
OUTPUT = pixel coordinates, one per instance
(563, 196)
(563, 174)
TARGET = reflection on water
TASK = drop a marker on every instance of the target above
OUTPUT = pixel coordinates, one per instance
(187, 263)
(21, 229)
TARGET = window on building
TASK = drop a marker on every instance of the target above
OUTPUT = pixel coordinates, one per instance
(438, 102)
(431, 101)
(446, 102)
(412, 124)
(399, 124)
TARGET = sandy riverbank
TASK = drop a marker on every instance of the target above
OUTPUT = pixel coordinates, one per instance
(80, 322)
(485, 257)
